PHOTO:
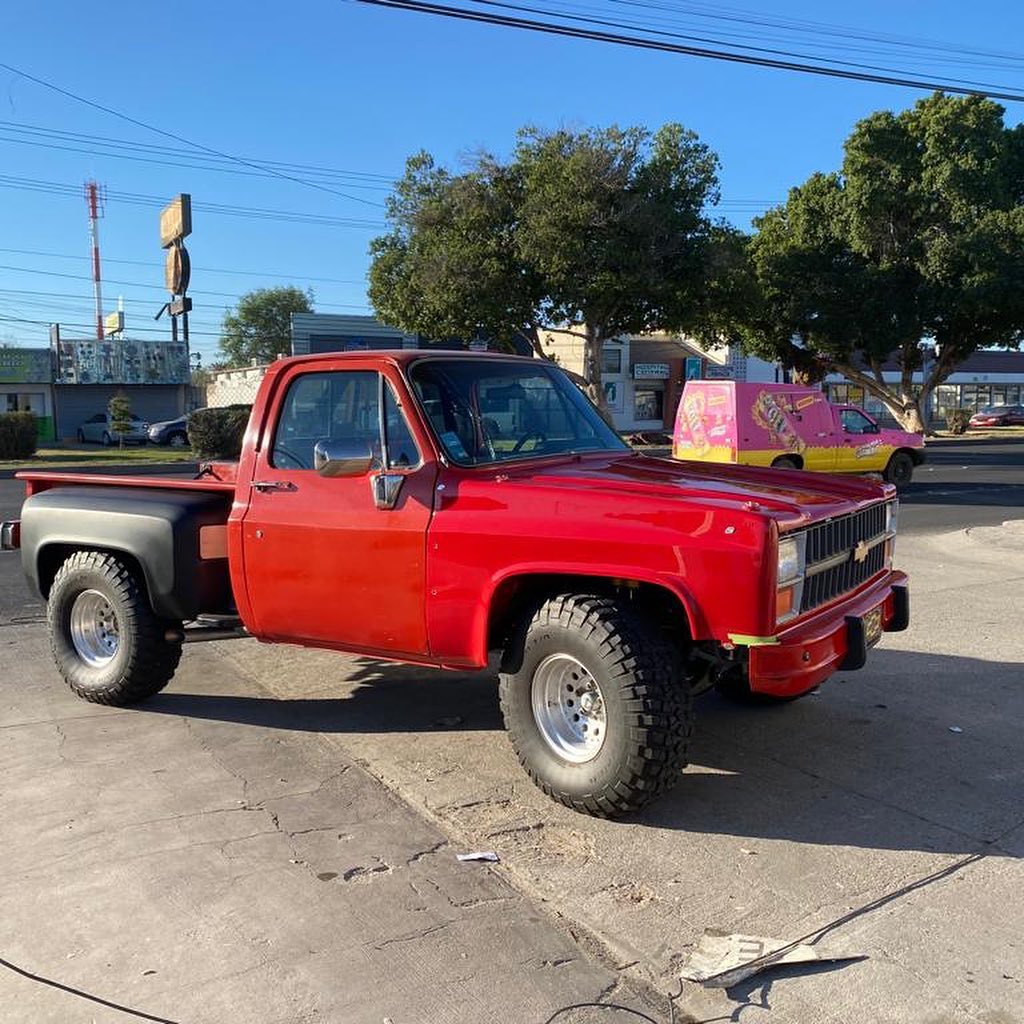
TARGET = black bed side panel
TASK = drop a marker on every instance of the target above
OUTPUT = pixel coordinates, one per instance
(158, 528)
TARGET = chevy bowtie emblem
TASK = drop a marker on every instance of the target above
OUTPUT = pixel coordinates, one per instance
(860, 552)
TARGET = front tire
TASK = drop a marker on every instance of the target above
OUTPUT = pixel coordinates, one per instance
(900, 470)
(107, 642)
(596, 707)
(106, 440)
(177, 440)
(785, 462)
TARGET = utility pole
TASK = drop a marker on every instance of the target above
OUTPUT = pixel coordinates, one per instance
(94, 202)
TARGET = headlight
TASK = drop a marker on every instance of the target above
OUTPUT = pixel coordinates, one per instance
(892, 515)
(789, 579)
(791, 560)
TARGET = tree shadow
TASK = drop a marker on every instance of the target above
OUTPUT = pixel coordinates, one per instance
(870, 761)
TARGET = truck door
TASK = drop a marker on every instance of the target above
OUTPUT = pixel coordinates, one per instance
(861, 449)
(333, 560)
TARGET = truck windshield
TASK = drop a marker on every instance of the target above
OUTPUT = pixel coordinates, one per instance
(487, 411)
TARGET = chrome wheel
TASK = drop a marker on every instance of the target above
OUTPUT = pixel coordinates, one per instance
(177, 441)
(569, 709)
(94, 630)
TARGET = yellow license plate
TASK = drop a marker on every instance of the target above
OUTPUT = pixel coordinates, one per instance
(873, 626)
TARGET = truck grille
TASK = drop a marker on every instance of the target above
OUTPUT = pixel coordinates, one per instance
(828, 542)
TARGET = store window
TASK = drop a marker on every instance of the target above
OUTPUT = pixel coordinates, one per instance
(649, 404)
(21, 402)
(611, 359)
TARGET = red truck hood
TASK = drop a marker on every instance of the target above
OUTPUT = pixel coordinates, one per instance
(792, 497)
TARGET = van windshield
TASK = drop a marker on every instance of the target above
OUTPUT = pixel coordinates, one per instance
(488, 411)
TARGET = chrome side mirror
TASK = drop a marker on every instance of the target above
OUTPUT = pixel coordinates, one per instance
(342, 458)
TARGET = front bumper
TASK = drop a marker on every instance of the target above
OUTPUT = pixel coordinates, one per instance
(835, 640)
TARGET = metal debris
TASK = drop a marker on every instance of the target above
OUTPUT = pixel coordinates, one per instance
(480, 855)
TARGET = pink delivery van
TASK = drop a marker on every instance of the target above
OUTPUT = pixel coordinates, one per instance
(790, 427)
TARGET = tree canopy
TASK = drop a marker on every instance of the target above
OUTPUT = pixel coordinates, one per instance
(919, 237)
(259, 329)
(601, 231)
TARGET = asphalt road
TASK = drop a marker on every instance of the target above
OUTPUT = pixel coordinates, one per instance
(963, 483)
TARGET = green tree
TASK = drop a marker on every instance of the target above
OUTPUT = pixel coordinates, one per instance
(259, 329)
(602, 232)
(919, 237)
(119, 409)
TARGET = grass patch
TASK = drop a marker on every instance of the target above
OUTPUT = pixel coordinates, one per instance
(86, 455)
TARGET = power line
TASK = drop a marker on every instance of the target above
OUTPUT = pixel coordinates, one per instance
(576, 32)
(137, 284)
(140, 199)
(180, 138)
(195, 269)
(693, 38)
(14, 133)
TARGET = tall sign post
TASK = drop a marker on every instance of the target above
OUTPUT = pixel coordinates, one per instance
(175, 226)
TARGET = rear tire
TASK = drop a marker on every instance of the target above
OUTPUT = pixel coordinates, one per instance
(596, 707)
(900, 470)
(785, 463)
(107, 642)
(106, 440)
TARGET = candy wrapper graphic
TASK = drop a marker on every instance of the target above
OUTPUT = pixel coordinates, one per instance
(693, 408)
(770, 414)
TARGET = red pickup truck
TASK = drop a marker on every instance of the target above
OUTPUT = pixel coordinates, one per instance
(461, 510)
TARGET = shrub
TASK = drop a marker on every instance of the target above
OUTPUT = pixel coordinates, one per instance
(217, 433)
(17, 435)
(957, 421)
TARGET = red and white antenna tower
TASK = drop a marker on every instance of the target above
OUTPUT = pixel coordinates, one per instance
(95, 199)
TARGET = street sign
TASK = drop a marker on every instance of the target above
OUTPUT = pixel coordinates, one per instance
(177, 270)
(176, 220)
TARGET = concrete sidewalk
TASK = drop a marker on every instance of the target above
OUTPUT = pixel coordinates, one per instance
(789, 817)
(201, 870)
(220, 853)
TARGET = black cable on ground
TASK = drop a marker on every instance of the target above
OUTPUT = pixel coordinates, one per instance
(84, 995)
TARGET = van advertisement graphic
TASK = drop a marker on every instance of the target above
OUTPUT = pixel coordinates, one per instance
(771, 412)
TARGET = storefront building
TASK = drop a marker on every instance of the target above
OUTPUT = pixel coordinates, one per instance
(25, 386)
(643, 375)
(154, 375)
(983, 379)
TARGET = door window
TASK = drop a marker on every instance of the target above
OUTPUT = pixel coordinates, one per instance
(857, 423)
(341, 407)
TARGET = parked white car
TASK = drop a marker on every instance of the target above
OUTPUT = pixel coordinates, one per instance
(99, 430)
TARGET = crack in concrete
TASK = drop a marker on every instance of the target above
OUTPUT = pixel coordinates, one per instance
(364, 873)
(417, 857)
(420, 933)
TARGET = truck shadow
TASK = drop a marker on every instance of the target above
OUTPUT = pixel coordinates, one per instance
(870, 761)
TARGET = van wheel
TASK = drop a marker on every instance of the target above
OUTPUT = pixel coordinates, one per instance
(900, 470)
(108, 644)
(785, 462)
(596, 707)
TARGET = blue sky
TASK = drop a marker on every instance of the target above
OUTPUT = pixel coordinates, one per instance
(341, 85)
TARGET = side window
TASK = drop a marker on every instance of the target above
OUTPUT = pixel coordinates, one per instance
(402, 450)
(856, 423)
(342, 407)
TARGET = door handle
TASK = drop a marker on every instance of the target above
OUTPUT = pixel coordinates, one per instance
(266, 486)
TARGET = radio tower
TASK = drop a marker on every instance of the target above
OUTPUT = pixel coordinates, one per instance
(94, 200)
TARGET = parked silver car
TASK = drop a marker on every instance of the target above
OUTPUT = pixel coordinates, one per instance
(98, 429)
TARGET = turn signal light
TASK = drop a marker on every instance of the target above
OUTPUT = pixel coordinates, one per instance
(784, 600)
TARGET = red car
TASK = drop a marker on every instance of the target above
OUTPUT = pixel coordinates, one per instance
(999, 416)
